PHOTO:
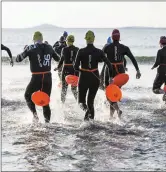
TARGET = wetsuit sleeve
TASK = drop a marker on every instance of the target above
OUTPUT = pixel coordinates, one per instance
(22, 56)
(77, 49)
(77, 61)
(107, 62)
(55, 56)
(157, 62)
(6, 49)
(132, 58)
(56, 44)
(62, 59)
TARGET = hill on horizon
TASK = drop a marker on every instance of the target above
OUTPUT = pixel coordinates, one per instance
(50, 26)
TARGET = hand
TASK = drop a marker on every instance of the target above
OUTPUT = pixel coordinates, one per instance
(11, 62)
(138, 74)
(56, 69)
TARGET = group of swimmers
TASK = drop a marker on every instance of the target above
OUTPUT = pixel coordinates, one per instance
(82, 62)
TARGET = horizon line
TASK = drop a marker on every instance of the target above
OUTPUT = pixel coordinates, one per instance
(51, 25)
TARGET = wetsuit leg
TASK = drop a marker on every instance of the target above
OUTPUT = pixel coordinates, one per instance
(158, 82)
(91, 96)
(82, 90)
(106, 79)
(33, 86)
(113, 105)
(64, 86)
(47, 87)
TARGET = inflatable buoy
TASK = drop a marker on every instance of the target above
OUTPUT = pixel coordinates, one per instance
(113, 93)
(40, 98)
(165, 88)
(120, 79)
(72, 80)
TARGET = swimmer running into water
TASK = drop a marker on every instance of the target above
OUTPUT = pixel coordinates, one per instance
(88, 58)
(40, 56)
(115, 53)
(161, 70)
(68, 56)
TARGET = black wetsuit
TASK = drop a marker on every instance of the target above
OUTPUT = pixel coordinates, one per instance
(161, 70)
(6, 49)
(89, 57)
(68, 56)
(58, 49)
(40, 56)
(57, 44)
(115, 52)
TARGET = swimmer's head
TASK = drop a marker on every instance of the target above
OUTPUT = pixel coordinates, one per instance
(90, 37)
(65, 34)
(115, 35)
(162, 41)
(62, 39)
(109, 41)
(70, 40)
(38, 37)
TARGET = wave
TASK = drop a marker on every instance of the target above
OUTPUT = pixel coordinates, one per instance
(5, 102)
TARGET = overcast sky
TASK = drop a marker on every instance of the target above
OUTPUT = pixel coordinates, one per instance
(83, 14)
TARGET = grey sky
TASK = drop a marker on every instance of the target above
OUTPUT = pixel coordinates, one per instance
(83, 14)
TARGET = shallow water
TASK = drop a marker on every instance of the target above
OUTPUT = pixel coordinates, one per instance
(136, 142)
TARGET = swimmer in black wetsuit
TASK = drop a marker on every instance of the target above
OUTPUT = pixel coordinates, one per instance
(161, 70)
(58, 49)
(68, 56)
(40, 56)
(89, 80)
(102, 87)
(57, 43)
(9, 53)
(115, 53)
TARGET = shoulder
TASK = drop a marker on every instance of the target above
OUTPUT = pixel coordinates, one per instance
(159, 51)
(49, 47)
(81, 50)
(107, 46)
(124, 46)
(76, 48)
(99, 50)
(30, 47)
